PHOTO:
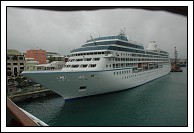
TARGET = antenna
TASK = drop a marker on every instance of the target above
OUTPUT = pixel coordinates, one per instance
(122, 32)
(93, 39)
(175, 54)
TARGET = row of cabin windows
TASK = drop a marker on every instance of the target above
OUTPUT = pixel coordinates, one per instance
(148, 54)
(137, 75)
(113, 42)
(115, 48)
(144, 55)
(136, 59)
(152, 56)
(121, 65)
(133, 71)
(91, 53)
(123, 54)
(109, 37)
(162, 54)
(85, 59)
(121, 72)
(108, 43)
(80, 66)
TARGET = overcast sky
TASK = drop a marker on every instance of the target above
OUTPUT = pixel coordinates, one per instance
(56, 31)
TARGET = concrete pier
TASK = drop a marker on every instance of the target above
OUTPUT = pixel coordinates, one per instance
(31, 95)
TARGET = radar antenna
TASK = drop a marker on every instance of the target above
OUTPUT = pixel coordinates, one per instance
(122, 32)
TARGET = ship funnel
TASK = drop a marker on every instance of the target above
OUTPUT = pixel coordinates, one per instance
(152, 46)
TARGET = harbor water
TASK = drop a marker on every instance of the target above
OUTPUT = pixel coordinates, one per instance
(161, 102)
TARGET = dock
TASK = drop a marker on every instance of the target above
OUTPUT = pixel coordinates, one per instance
(29, 94)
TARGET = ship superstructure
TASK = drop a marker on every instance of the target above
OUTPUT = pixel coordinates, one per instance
(105, 64)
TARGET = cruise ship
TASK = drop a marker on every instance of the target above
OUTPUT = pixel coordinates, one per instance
(105, 64)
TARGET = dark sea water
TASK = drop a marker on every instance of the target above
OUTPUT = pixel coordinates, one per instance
(161, 102)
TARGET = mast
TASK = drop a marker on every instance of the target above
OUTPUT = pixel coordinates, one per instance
(175, 55)
(122, 32)
(93, 40)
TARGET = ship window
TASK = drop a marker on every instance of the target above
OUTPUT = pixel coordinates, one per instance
(79, 59)
(74, 66)
(84, 65)
(122, 64)
(88, 59)
(96, 59)
(92, 65)
(68, 66)
(117, 65)
(117, 59)
(82, 88)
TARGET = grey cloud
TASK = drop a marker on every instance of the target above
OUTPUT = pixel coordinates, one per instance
(62, 31)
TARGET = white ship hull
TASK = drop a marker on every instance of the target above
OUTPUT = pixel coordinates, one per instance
(86, 83)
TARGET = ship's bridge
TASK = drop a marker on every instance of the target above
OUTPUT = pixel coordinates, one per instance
(119, 43)
(121, 37)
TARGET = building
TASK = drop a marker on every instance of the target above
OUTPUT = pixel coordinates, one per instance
(15, 63)
(13, 52)
(38, 55)
(31, 64)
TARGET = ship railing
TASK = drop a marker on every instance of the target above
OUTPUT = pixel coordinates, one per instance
(17, 117)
